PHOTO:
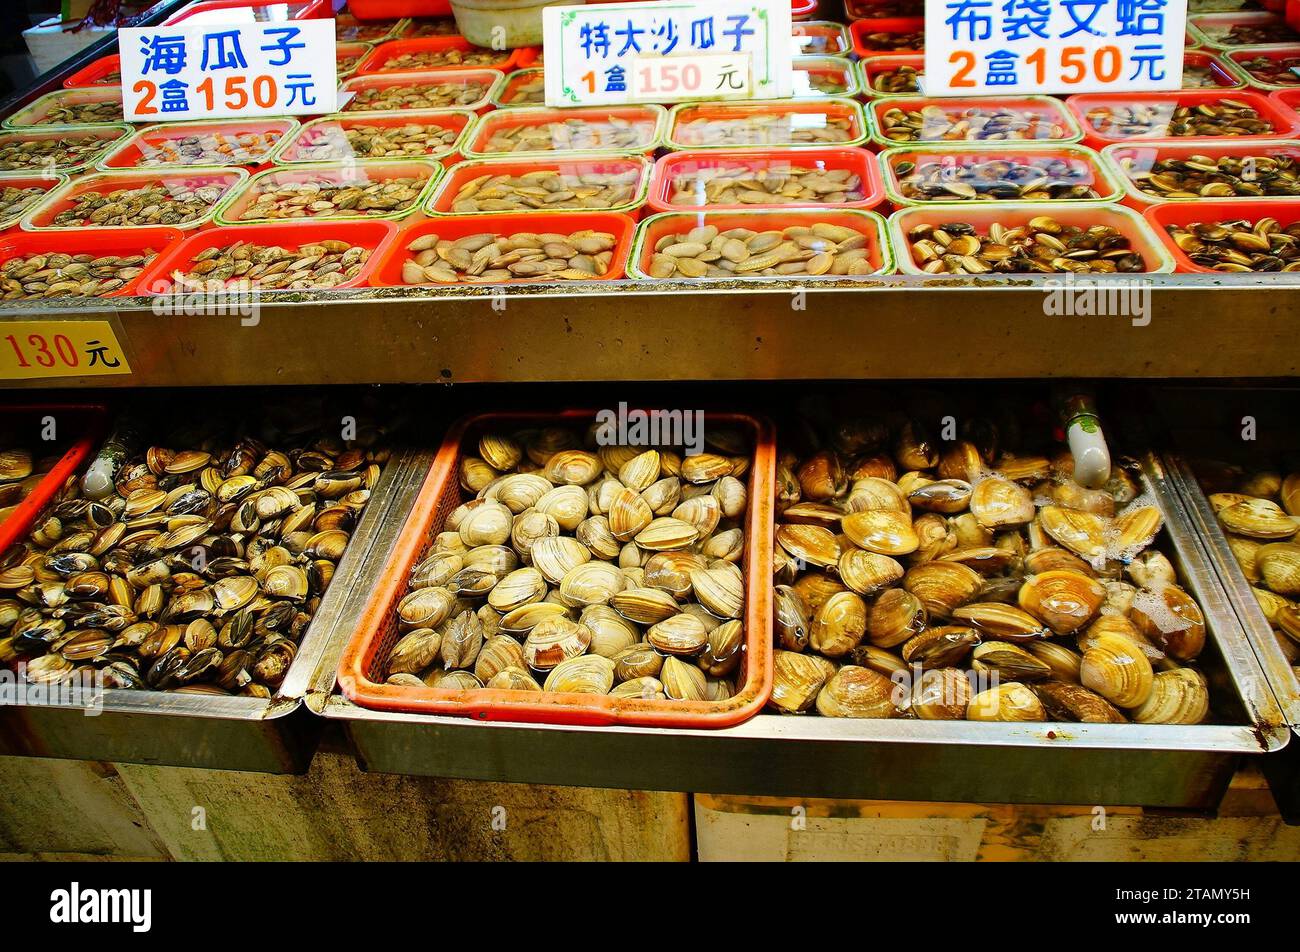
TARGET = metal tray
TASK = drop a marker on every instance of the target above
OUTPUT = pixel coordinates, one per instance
(276, 735)
(1283, 771)
(1130, 764)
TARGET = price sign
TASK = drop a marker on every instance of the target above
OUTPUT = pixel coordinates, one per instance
(1014, 47)
(31, 349)
(213, 72)
(667, 51)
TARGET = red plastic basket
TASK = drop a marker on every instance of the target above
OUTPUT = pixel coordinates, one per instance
(377, 61)
(859, 161)
(622, 227)
(99, 241)
(96, 74)
(468, 81)
(861, 29)
(1284, 125)
(375, 235)
(1184, 213)
(462, 173)
(359, 672)
(231, 12)
(89, 419)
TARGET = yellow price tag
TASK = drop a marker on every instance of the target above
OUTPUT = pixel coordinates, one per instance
(32, 349)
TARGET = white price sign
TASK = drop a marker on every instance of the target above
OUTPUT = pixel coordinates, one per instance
(667, 51)
(216, 71)
(1014, 47)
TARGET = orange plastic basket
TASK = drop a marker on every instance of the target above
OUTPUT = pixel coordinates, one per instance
(359, 672)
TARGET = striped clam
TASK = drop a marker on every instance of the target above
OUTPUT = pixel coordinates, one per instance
(202, 567)
(961, 563)
(591, 566)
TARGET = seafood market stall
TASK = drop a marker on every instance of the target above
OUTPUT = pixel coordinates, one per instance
(354, 491)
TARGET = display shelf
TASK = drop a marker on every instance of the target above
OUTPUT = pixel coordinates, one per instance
(894, 327)
(1167, 766)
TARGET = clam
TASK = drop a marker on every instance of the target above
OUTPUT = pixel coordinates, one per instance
(1116, 668)
(1135, 529)
(796, 680)
(1011, 662)
(1258, 519)
(1177, 697)
(414, 651)
(941, 647)
(1006, 702)
(705, 468)
(426, 607)
(553, 640)
(513, 679)
(458, 681)
(895, 616)
(822, 477)
(671, 571)
(637, 661)
(732, 497)
(682, 680)
(644, 606)
(872, 493)
(1170, 618)
(488, 524)
(682, 634)
(665, 533)
(839, 625)
(573, 468)
(791, 619)
(813, 545)
(610, 632)
(1063, 600)
(1067, 701)
(646, 689)
(500, 452)
(703, 512)
(1060, 660)
(519, 492)
(724, 650)
(883, 531)
(1151, 570)
(461, 641)
(942, 587)
(1279, 566)
(499, 653)
(567, 505)
(629, 513)
(555, 557)
(868, 573)
(517, 589)
(589, 674)
(720, 590)
(592, 583)
(998, 503)
(1083, 533)
(1002, 622)
(641, 471)
(525, 618)
(854, 691)
(948, 496)
(594, 533)
(941, 694)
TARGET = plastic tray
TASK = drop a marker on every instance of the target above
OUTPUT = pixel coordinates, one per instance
(151, 142)
(820, 38)
(508, 95)
(652, 229)
(34, 113)
(870, 67)
(331, 131)
(237, 202)
(389, 272)
(39, 218)
(1143, 156)
(235, 12)
(86, 420)
(1224, 76)
(96, 74)
(799, 114)
(1045, 109)
(1234, 209)
(368, 648)
(859, 30)
(458, 175)
(803, 9)
(374, 235)
(650, 121)
(476, 88)
(834, 69)
(1210, 30)
(859, 161)
(1096, 173)
(1288, 100)
(984, 214)
(379, 58)
(348, 29)
(1284, 126)
(1237, 57)
(47, 184)
(108, 136)
(103, 241)
(354, 53)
